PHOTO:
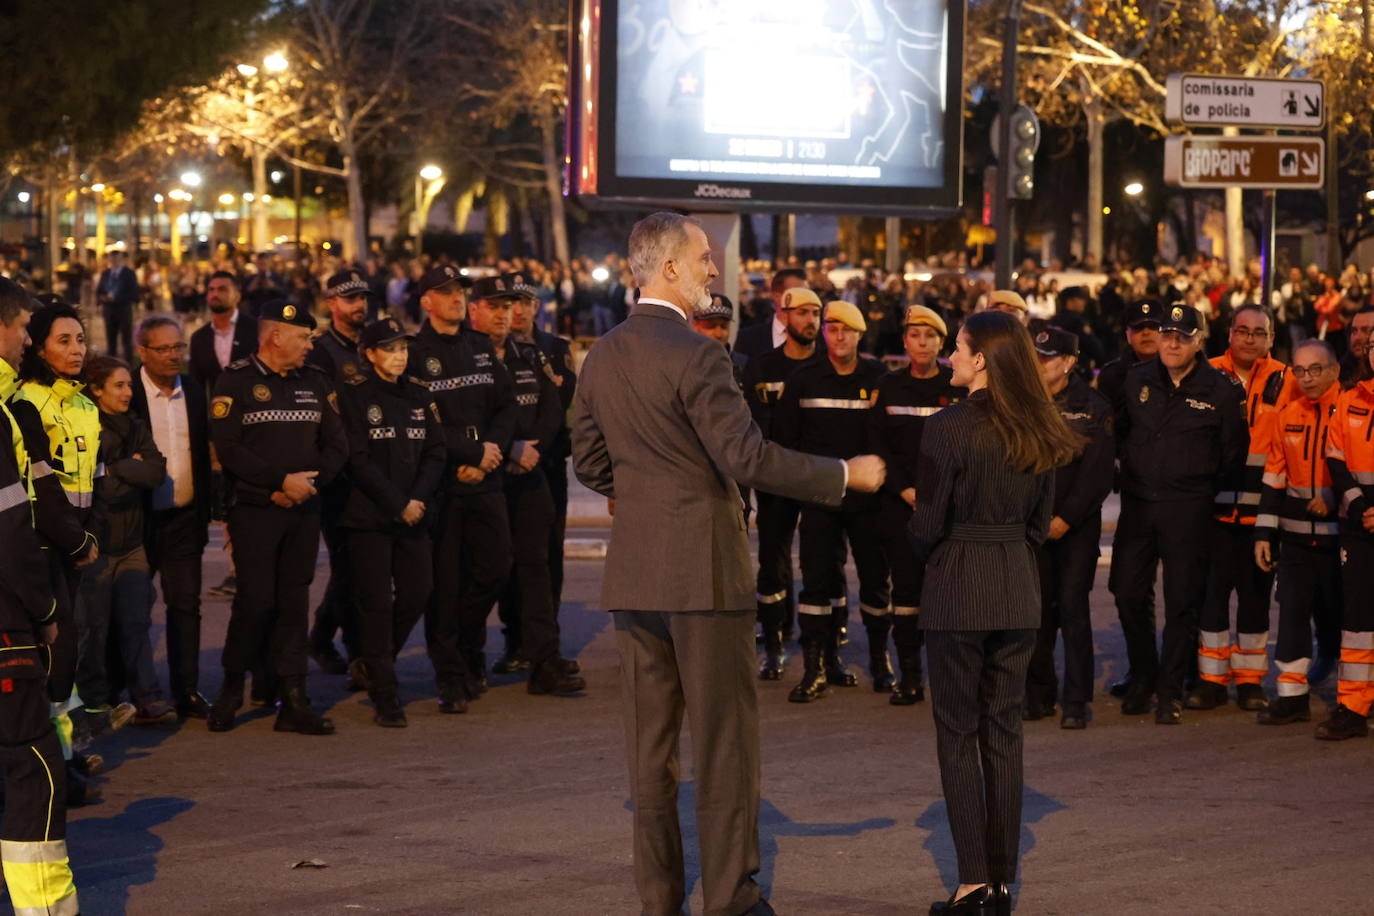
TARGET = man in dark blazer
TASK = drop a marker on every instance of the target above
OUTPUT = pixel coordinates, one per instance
(660, 426)
(227, 337)
(173, 406)
(757, 339)
(117, 294)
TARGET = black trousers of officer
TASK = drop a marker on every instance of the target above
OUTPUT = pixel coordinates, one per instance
(1177, 533)
(472, 557)
(1233, 568)
(908, 574)
(777, 524)
(393, 575)
(338, 610)
(1309, 590)
(35, 808)
(527, 599)
(556, 476)
(274, 555)
(176, 546)
(1067, 568)
(823, 533)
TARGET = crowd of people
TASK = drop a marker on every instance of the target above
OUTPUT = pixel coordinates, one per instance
(422, 432)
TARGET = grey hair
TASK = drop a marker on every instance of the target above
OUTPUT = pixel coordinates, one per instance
(653, 240)
(1327, 350)
(150, 324)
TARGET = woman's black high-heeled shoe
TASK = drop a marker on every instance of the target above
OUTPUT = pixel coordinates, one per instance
(982, 902)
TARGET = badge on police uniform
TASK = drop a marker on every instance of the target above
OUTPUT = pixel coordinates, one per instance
(374, 414)
(80, 443)
(1177, 314)
(262, 393)
(1144, 394)
(433, 366)
(350, 370)
(219, 407)
(288, 312)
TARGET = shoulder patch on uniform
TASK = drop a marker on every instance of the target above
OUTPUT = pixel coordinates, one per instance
(219, 407)
(240, 363)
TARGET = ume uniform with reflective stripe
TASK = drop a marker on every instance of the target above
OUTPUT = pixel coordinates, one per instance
(825, 413)
(1269, 388)
(765, 382)
(1296, 472)
(1350, 456)
(72, 423)
(266, 424)
(904, 405)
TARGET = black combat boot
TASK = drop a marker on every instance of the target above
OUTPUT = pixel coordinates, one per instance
(813, 684)
(773, 657)
(1286, 711)
(227, 704)
(906, 635)
(295, 714)
(879, 666)
(835, 671)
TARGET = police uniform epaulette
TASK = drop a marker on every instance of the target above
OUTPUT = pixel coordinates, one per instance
(240, 363)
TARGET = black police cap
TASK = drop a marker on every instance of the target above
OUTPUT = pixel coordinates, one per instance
(501, 286)
(443, 275)
(286, 313)
(1052, 341)
(346, 283)
(381, 332)
(1143, 312)
(1182, 319)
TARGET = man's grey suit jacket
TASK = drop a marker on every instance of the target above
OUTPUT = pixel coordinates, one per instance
(660, 425)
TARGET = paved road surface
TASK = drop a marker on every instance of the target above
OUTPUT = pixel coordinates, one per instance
(521, 805)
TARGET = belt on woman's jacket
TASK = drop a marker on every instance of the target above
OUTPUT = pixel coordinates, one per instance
(962, 531)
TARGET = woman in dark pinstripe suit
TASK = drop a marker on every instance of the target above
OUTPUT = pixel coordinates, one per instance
(984, 491)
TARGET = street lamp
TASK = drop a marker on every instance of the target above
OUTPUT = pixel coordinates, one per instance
(1134, 189)
(427, 184)
(97, 187)
(275, 62)
(23, 197)
(248, 70)
(191, 179)
(1369, 195)
(226, 199)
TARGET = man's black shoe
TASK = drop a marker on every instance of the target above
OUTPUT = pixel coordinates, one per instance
(390, 713)
(1074, 716)
(1206, 695)
(227, 704)
(1344, 723)
(453, 699)
(509, 664)
(193, 706)
(1250, 697)
(1137, 700)
(475, 685)
(1170, 712)
(550, 678)
(569, 665)
(907, 694)
(1120, 688)
(1286, 711)
(295, 715)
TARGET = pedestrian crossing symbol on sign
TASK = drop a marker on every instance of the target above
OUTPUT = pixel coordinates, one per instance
(1288, 163)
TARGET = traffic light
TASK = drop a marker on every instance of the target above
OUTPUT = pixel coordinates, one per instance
(1025, 140)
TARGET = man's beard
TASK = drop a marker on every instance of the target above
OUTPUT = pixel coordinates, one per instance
(220, 308)
(800, 337)
(703, 301)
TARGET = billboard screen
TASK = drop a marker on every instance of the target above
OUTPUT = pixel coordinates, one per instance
(843, 104)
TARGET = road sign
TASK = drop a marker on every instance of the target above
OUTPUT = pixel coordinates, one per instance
(1245, 162)
(1241, 101)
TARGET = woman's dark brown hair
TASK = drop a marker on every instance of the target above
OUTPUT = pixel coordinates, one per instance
(1033, 432)
(99, 370)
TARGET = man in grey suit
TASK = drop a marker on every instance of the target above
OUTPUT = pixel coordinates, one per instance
(660, 426)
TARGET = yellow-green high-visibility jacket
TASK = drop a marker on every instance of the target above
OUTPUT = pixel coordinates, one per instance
(72, 422)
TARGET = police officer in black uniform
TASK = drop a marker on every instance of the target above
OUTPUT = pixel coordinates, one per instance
(906, 398)
(472, 547)
(765, 380)
(336, 353)
(824, 411)
(1141, 319)
(529, 505)
(276, 429)
(396, 458)
(1068, 557)
(1181, 432)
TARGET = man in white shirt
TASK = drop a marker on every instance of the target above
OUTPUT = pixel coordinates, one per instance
(173, 405)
